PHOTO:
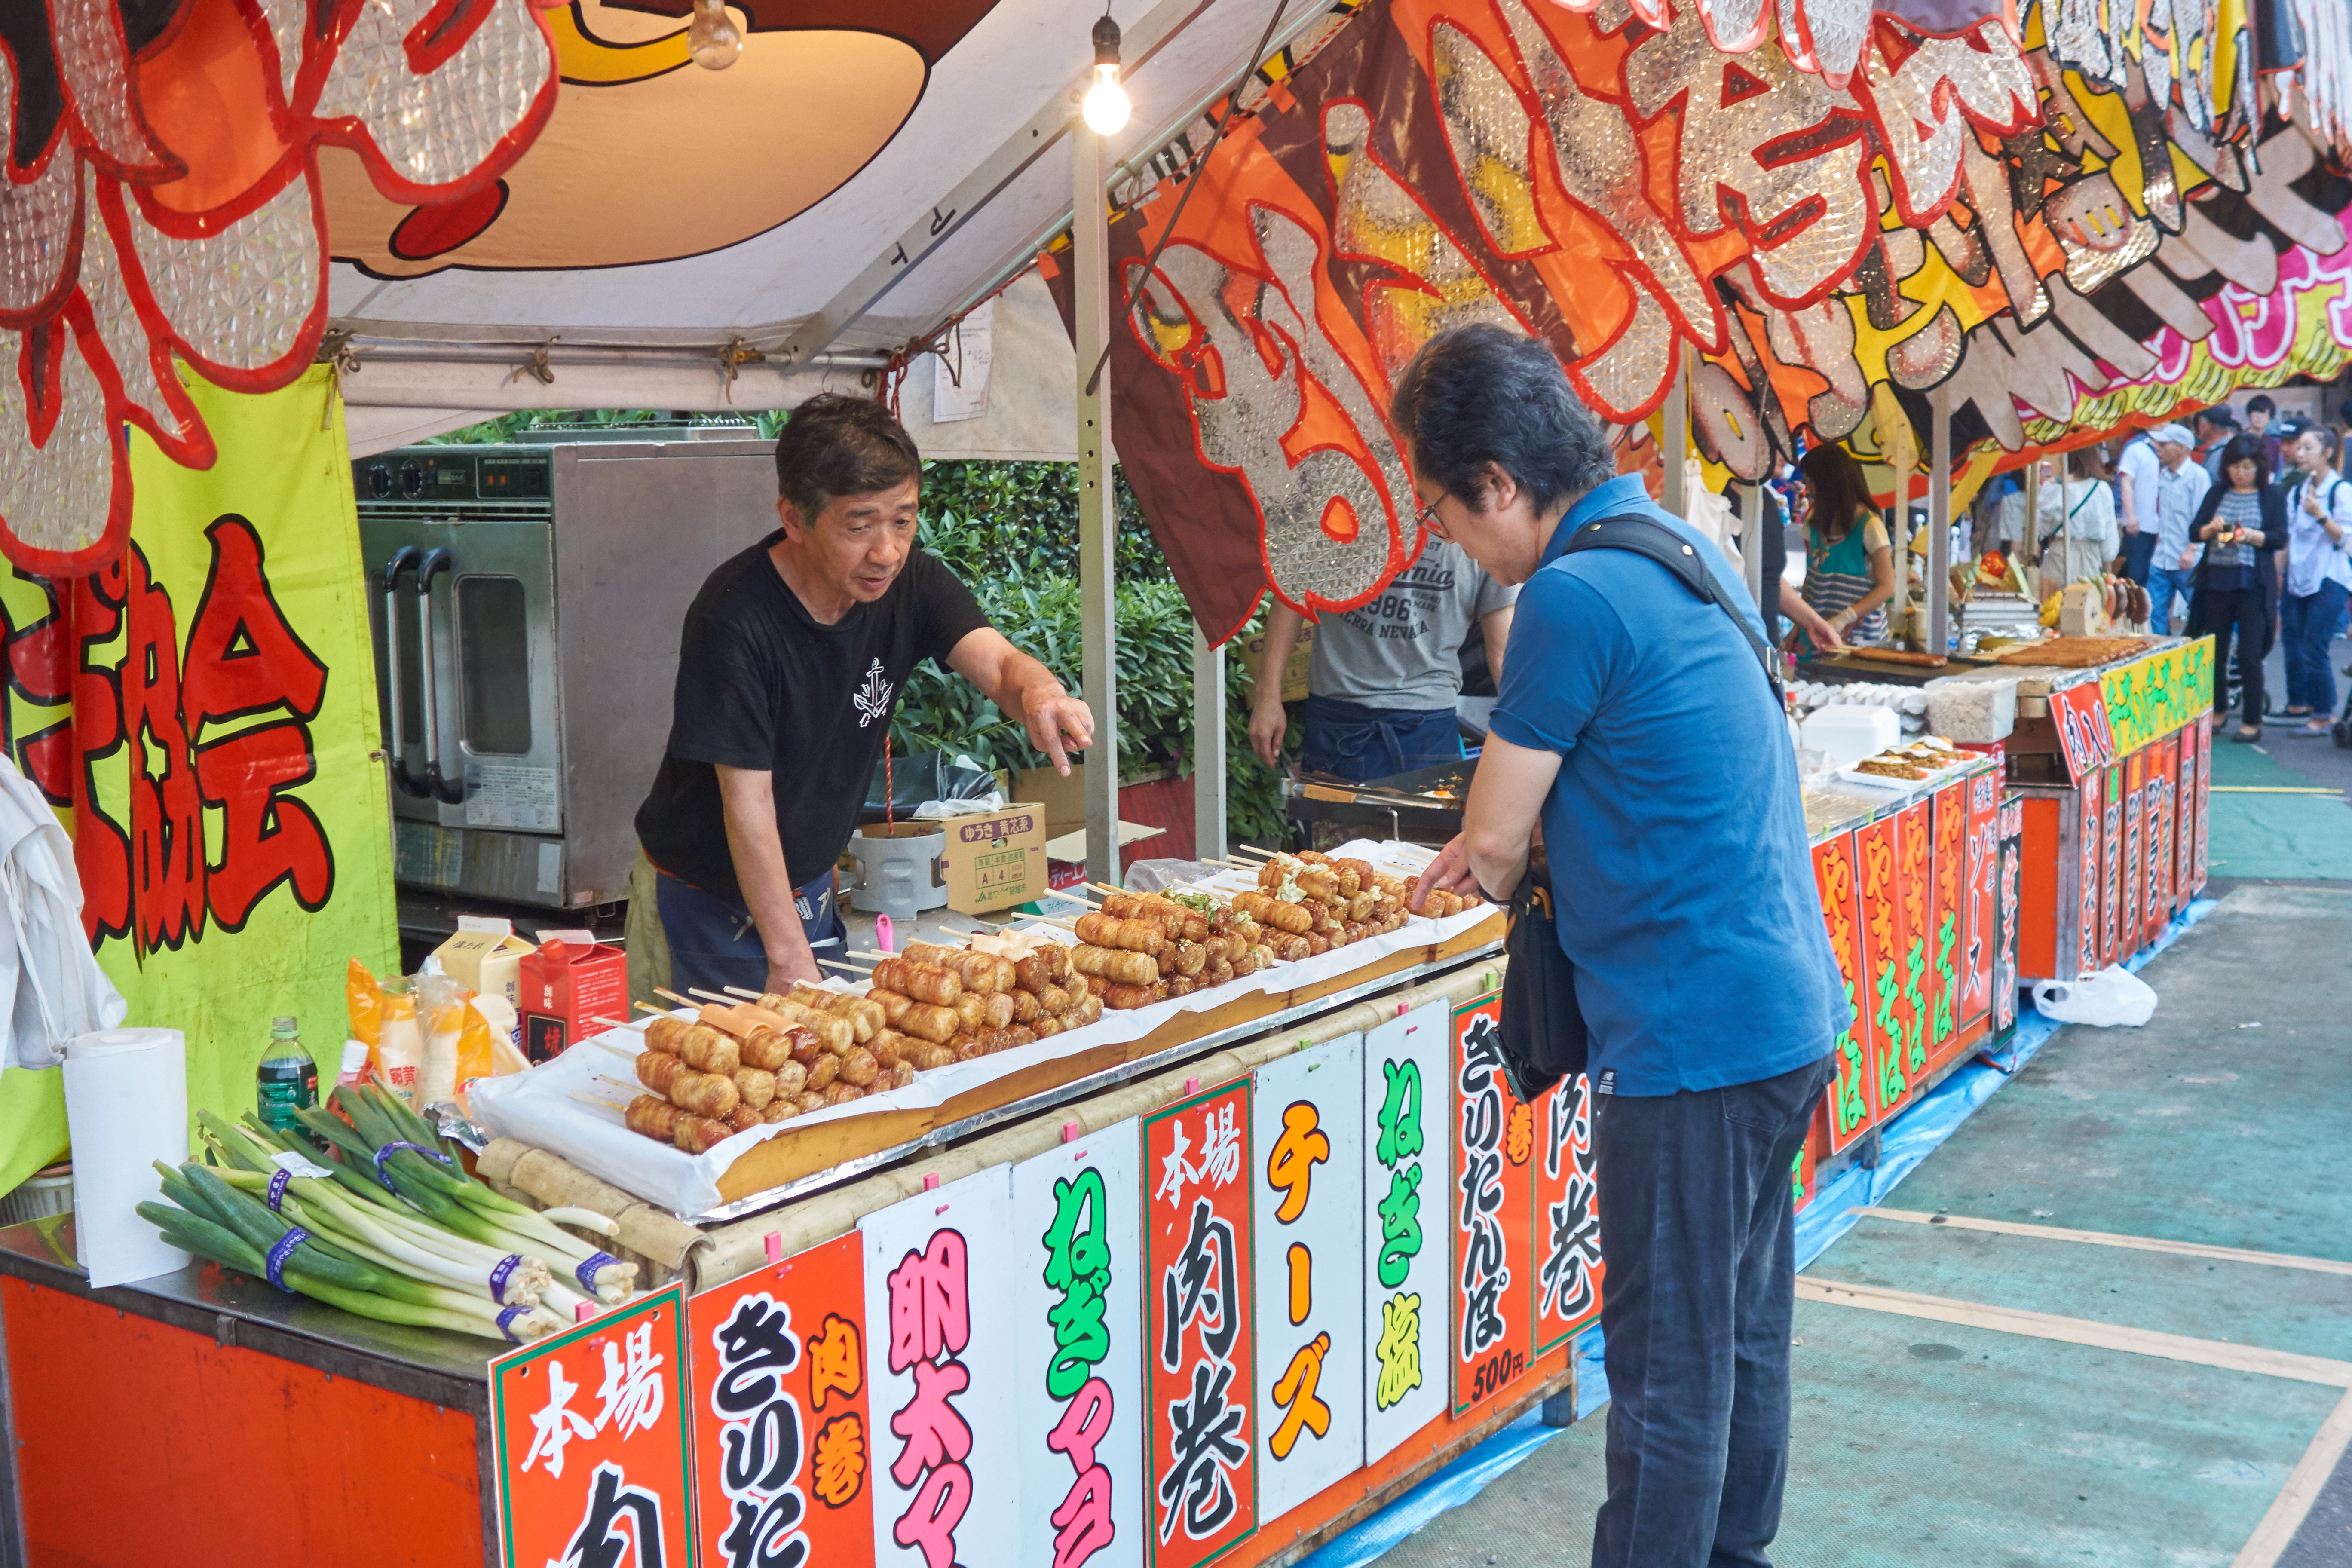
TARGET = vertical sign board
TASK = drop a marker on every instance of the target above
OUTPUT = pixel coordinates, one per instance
(1200, 1343)
(1914, 890)
(2111, 880)
(2204, 795)
(1946, 955)
(940, 1369)
(2184, 820)
(1567, 1214)
(1882, 952)
(1493, 1217)
(1307, 1128)
(776, 1370)
(594, 1446)
(1849, 1092)
(2087, 961)
(2127, 932)
(1078, 1410)
(2006, 911)
(1408, 1192)
(1978, 897)
(2156, 841)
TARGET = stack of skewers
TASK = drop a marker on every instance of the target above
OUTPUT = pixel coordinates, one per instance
(748, 1059)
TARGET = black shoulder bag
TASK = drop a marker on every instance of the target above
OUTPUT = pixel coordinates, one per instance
(1543, 1036)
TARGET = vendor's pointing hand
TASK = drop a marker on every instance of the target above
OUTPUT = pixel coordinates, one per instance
(1058, 724)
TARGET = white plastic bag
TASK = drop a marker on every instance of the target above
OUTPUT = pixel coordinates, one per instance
(2109, 998)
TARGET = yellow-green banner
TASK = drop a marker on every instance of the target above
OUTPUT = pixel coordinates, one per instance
(201, 715)
(2150, 698)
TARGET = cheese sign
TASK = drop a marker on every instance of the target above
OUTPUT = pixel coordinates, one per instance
(939, 1369)
(594, 1443)
(1199, 1340)
(1309, 1135)
(1568, 1213)
(1078, 1409)
(781, 1438)
(1407, 1186)
(1494, 1212)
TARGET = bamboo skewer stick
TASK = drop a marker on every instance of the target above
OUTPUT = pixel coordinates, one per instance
(721, 997)
(657, 1011)
(614, 1023)
(681, 1001)
(849, 968)
(747, 995)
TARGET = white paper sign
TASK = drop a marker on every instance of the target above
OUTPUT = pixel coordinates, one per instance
(1308, 1219)
(940, 1372)
(1078, 1323)
(1408, 1180)
(960, 376)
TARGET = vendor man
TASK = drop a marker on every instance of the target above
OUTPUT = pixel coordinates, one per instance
(792, 657)
(1382, 679)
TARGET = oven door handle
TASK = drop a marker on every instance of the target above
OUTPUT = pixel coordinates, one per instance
(432, 564)
(396, 743)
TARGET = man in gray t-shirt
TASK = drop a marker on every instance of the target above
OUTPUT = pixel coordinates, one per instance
(1381, 677)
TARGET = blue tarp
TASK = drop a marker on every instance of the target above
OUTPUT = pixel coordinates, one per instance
(1910, 1139)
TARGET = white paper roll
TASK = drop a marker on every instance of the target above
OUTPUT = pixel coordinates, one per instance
(126, 1107)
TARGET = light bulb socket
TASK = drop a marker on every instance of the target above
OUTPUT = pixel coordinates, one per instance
(1106, 40)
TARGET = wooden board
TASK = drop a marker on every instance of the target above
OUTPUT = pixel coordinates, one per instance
(2076, 653)
(792, 1155)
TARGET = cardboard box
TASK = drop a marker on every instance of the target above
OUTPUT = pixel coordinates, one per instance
(995, 860)
(486, 958)
(566, 987)
(1294, 672)
(1063, 800)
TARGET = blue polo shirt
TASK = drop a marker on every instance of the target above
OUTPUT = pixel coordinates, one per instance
(1675, 831)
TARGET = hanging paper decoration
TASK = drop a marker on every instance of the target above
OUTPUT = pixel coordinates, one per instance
(2027, 212)
(161, 199)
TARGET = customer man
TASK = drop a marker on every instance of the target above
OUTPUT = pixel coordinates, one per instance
(787, 670)
(1382, 679)
(2214, 427)
(2261, 411)
(2136, 471)
(1635, 723)
(2180, 487)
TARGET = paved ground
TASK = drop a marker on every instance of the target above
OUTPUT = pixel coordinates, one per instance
(1924, 1442)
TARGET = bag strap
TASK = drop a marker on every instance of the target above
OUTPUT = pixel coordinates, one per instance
(1647, 536)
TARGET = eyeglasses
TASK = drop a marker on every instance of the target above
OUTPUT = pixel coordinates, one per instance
(1429, 520)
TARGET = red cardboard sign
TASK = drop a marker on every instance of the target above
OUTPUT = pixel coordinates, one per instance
(782, 1436)
(1494, 1217)
(593, 1449)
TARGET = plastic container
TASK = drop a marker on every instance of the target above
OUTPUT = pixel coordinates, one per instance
(1846, 733)
(898, 870)
(1978, 712)
(46, 1191)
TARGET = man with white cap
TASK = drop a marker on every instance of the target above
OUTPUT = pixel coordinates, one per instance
(2180, 485)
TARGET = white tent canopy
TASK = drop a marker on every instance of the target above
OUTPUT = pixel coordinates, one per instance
(984, 158)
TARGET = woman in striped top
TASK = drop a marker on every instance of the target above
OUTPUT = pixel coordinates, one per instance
(1849, 562)
(2242, 522)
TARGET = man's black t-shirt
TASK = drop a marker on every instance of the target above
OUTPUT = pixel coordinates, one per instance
(762, 684)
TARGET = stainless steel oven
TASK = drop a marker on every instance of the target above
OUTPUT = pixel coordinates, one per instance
(526, 603)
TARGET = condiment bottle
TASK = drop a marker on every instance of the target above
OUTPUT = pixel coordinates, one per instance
(287, 1081)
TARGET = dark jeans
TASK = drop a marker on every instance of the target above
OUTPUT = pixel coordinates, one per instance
(1696, 1223)
(2139, 553)
(714, 944)
(1351, 741)
(2238, 610)
(2307, 626)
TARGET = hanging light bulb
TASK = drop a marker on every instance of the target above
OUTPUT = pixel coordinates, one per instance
(712, 39)
(1106, 107)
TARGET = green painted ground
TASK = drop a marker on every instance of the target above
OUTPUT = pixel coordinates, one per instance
(2288, 836)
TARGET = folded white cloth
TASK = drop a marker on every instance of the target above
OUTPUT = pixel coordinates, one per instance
(51, 988)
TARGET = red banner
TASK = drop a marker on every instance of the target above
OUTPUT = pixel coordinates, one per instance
(1494, 1217)
(1947, 960)
(1850, 1094)
(1876, 852)
(782, 1436)
(1199, 1327)
(593, 1451)
(1569, 1271)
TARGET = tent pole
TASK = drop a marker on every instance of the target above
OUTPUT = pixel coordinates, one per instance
(1097, 517)
(1673, 446)
(1207, 747)
(1939, 518)
(1754, 518)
